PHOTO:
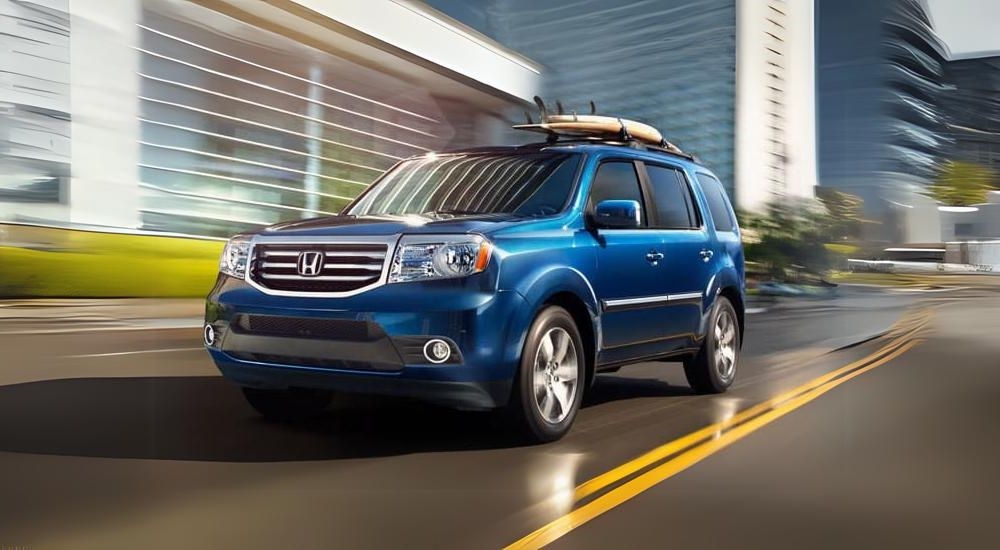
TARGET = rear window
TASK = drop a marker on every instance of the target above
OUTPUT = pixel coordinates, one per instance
(718, 203)
(672, 198)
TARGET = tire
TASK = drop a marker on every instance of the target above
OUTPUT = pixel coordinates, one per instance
(549, 384)
(288, 404)
(713, 369)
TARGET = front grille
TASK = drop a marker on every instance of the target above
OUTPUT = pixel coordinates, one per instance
(305, 327)
(344, 267)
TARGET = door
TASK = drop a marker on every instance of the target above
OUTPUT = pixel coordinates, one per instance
(686, 265)
(630, 273)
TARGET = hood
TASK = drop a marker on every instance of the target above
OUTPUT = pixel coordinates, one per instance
(392, 225)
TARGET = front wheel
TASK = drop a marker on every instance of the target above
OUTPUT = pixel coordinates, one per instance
(549, 384)
(714, 368)
(288, 404)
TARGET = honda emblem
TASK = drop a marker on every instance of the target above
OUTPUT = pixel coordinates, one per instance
(310, 263)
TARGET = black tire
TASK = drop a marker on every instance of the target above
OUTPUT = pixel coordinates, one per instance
(288, 404)
(527, 408)
(706, 372)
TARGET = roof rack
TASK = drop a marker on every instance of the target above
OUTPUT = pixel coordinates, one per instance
(635, 144)
(596, 128)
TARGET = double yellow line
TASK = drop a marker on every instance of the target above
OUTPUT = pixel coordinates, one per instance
(676, 456)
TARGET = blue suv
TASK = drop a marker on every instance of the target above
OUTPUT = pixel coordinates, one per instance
(492, 278)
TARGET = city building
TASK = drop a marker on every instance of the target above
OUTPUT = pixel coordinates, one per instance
(882, 132)
(213, 117)
(973, 110)
(730, 81)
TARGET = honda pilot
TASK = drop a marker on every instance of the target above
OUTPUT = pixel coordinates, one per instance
(499, 278)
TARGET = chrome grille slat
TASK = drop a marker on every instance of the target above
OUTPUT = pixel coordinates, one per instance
(316, 278)
(331, 266)
(353, 254)
(347, 267)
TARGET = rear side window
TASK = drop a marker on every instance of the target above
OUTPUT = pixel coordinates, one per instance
(672, 198)
(718, 204)
(616, 181)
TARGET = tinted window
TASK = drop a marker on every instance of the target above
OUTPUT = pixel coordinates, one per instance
(672, 198)
(718, 204)
(616, 181)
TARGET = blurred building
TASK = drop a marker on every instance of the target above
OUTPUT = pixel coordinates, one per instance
(882, 130)
(973, 110)
(731, 81)
(216, 116)
(211, 117)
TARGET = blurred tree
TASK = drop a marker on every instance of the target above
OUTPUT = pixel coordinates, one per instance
(787, 240)
(844, 213)
(962, 183)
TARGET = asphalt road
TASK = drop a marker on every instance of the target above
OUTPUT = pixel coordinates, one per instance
(128, 439)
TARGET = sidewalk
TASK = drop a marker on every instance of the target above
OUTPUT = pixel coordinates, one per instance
(41, 316)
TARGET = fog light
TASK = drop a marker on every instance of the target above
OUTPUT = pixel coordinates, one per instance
(209, 335)
(437, 351)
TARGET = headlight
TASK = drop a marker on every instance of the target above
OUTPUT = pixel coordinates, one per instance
(419, 257)
(235, 257)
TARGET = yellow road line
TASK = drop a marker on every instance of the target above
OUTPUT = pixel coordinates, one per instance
(563, 525)
(651, 457)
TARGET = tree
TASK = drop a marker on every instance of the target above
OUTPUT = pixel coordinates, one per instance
(961, 183)
(844, 211)
(789, 236)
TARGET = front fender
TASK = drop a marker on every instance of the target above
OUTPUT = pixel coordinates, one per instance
(540, 285)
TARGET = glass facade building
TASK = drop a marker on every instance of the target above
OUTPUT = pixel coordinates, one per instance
(34, 103)
(671, 63)
(882, 130)
(973, 110)
(169, 116)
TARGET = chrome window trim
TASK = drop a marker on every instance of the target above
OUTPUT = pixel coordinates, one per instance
(390, 241)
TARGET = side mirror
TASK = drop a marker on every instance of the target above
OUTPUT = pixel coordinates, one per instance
(615, 214)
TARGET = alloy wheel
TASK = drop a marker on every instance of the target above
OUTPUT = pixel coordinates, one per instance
(555, 376)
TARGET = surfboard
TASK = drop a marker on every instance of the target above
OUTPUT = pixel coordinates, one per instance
(597, 126)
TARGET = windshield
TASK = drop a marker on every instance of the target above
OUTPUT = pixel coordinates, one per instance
(533, 184)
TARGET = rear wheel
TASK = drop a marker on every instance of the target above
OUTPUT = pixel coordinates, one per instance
(714, 368)
(549, 384)
(288, 404)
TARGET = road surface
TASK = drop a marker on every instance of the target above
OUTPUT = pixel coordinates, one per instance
(128, 439)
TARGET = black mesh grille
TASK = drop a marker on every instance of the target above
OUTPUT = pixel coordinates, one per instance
(305, 361)
(343, 268)
(304, 327)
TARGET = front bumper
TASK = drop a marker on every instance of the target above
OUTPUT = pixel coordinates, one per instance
(372, 342)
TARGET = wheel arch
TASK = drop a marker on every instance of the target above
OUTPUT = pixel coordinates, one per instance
(584, 323)
(570, 289)
(728, 284)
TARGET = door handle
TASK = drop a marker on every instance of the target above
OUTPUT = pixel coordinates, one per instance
(654, 257)
(707, 254)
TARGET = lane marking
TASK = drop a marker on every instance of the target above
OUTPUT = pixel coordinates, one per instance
(117, 353)
(651, 457)
(745, 423)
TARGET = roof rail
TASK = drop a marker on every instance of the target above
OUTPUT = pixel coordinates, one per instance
(634, 144)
